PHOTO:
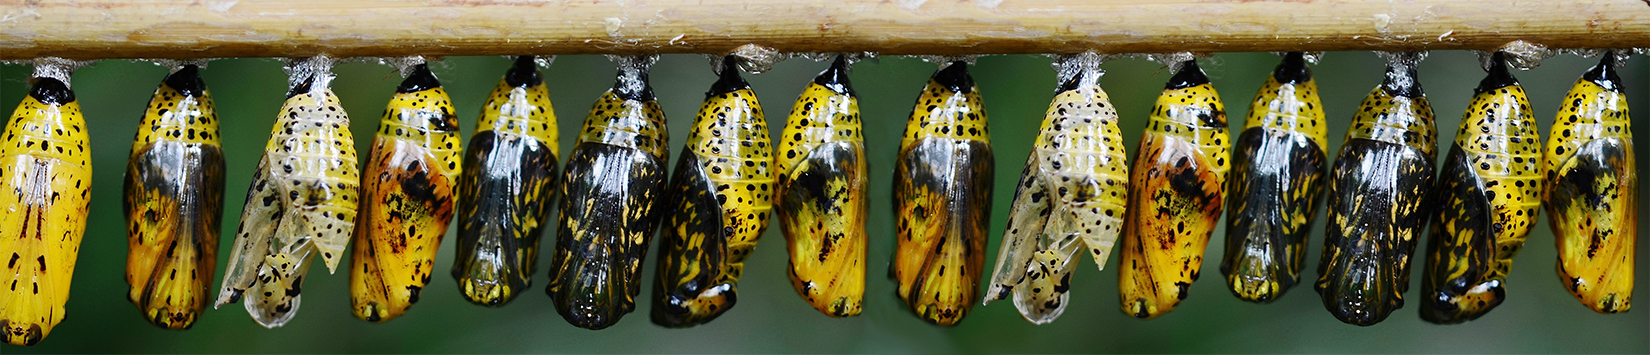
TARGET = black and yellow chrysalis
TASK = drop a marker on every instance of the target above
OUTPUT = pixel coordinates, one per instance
(942, 198)
(1179, 181)
(1070, 198)
(506, 188)
(821, 194)
(174, 202)
(1592, 190)
(614, 182)
(1486, 196)
(1277, 181)
(302, 201)
(46, 177)
(1378, 199)
(407, 198)
(718, 206)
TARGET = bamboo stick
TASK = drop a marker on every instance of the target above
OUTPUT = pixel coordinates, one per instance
(91, 29)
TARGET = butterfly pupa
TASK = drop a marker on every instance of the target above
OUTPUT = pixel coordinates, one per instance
(612, 191)
(718, 206)
(174, 202)
(1179, 182)
(506, 188)
(821, 194)
(1487, 198)
(1070, 198)
(1378, 199)
(1277, 180)
(302, 202)
(942, 199)
(407, 198)
(1592, 190)
(46, 177)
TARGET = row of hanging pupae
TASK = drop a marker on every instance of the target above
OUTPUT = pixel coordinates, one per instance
(1072, 197)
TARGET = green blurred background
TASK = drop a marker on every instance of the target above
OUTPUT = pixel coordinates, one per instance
(1538, 316)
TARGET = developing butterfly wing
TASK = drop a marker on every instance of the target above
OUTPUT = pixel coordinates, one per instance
(408, 192)
(302, 204)
(45, 185)
(174, 202)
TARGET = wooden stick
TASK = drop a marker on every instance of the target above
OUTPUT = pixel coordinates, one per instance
(90, 29)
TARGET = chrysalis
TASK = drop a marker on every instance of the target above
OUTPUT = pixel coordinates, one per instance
(615, 179)
(302, 201)
(1071, 196)
(821, 197)
(718, 205)
(1179, 178)
(1592, 190)
(1378, 201)
(1277, 180)
(506, 189)
(407, 195)
(1486, 199)
(174, 202)
(46, 178)
(942, 198)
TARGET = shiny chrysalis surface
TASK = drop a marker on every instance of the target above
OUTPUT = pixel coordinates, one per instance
(1179, 179)
(506, 188)
(1592, 190)
(942, 199)
(301, 204)
(1378, 201)
(1486, 197)
(718, 207)
(821, 194)
(1070, 198)
(1277, 181)
(613, 188)
(407, 193)
(45, 185)
(174, 202)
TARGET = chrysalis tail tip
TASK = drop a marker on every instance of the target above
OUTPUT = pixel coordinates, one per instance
(729, 80)
(51, 91)
(1604, 74)
(525, 72)
(187, 81)
(421, 79)
(836, 77)
(1499, 76)
(1189, 75)
(955, 76)
(1293, 70)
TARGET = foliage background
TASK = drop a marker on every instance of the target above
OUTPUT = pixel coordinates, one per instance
(1538, 316)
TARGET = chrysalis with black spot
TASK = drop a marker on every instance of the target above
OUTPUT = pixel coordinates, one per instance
(1070, 198)
(1277, 181)
(614, 182)
(1488, 195)
(301, 204)
(1378, 200)
(718, 208)
(407, 188)
(506, 188)
(174, 202)
(1179, 182)
(942, 199)
(45, 186)
(1592, 190)
(821, 194)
